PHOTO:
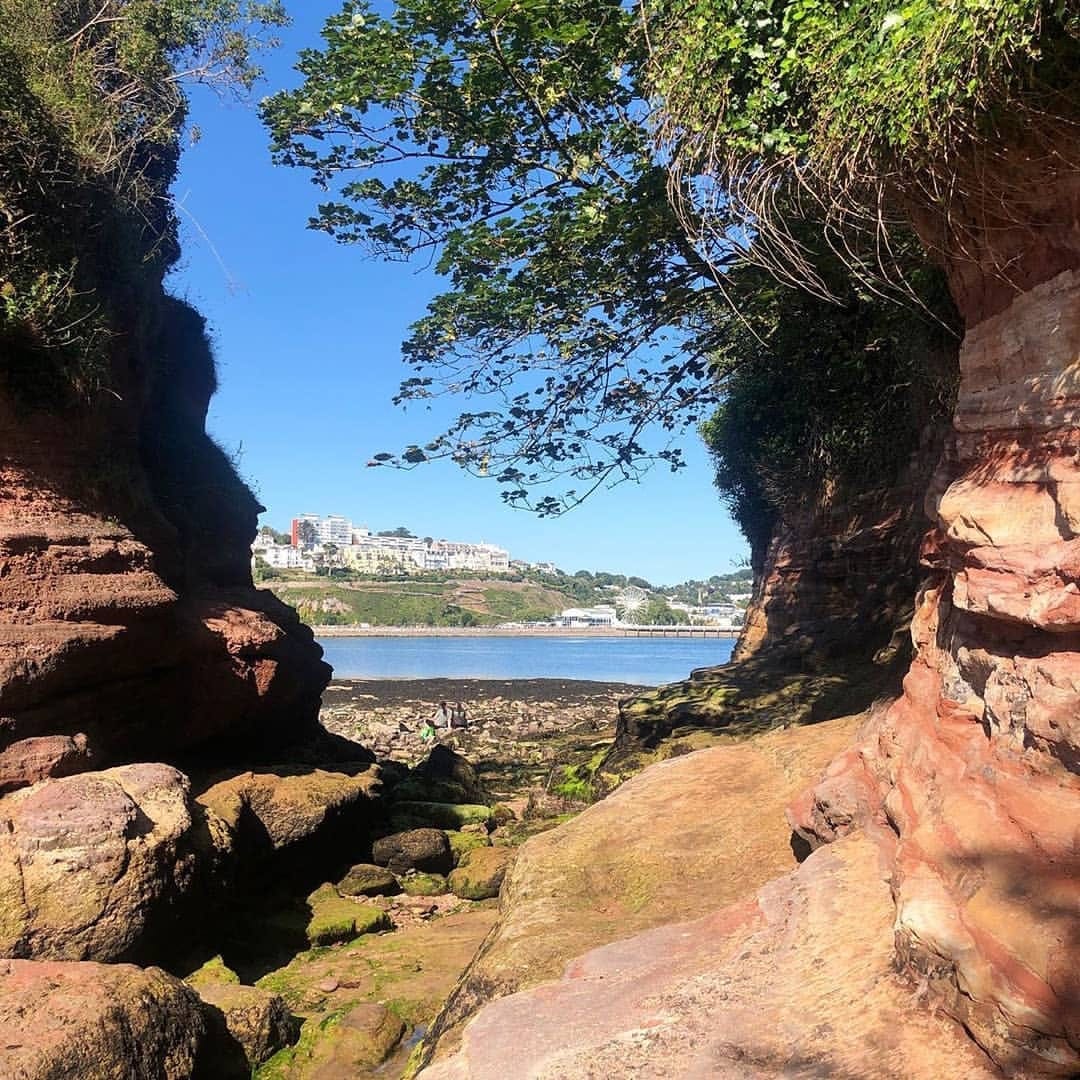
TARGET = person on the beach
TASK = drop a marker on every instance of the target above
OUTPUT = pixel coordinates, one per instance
(458, 719)
(440, 718)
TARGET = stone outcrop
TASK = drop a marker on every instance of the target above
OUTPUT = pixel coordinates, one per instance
(30, 760)
(679, 840)
(93, 866)
(970, 779)
(479, 874)
(273, 812)
(260, 1022)
(797, 980)
(106, 1021)
(427, 850)
(128, 618)
(834, 538)
(837, 577)
(826, 632)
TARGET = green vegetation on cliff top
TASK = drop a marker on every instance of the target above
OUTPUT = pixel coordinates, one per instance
(93, 105)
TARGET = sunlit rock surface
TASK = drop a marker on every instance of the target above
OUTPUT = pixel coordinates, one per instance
(975, 767)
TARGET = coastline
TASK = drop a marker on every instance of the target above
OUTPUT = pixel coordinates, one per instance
(523, 631)
(409, 688)
(512, 722)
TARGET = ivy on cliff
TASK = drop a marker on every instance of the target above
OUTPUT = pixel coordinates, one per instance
(849, 105)
(826, 398)
(93, 106)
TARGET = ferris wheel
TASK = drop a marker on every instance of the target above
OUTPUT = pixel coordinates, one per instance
(630, 604)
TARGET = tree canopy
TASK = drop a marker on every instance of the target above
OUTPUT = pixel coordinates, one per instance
(508, 144)
(865, 111)
(511, 144)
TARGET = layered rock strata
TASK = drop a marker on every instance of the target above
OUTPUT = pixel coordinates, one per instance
(826, 632)
(676, 842)
(795, 980)
(128, 617)
(974, 770)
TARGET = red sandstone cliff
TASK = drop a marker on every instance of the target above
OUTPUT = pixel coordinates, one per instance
(971, 778)
(826, 632)
(129, 625)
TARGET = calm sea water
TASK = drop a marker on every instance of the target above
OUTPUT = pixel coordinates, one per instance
(642, 661)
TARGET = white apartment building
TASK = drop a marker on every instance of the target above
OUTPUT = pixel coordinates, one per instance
(359, 550)
(332, 529)
(282, 556)
(453, 555)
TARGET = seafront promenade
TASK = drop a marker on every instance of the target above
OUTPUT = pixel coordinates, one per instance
(525, 631)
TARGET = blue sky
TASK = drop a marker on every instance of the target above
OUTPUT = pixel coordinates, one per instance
(307, 335)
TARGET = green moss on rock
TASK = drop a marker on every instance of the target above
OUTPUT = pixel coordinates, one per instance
(425, 885)
(213, 973)
(334, 918)
(366, 879)
(481, 873)
(461, 843)
(415, 815)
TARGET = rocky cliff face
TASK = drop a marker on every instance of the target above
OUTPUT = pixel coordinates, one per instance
(838, 576)
(973, 773)
(129, 626)
(826, 632)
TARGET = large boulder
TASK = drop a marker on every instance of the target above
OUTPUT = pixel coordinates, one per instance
(444, 776)
(29, 760)
(415, 849)
(92, 865)
(479, 875)
(299, 811)
(256, 1019)
(109, 1022)
(350, 1045)
(366, 879)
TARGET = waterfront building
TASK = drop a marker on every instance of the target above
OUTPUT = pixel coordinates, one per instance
(359, 550)
(575, 618)
(282, 556)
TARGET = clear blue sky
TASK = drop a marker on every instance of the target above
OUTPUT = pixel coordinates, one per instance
(307, 335)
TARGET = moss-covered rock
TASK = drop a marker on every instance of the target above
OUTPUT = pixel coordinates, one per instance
(366, 879)
(461, 843)
(425, 885)
(214, 971)
(335, 918)
(444, 776)
(341, 1044)
(259, 1021)
(292, 805)
(414, 815)
(481, 873)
